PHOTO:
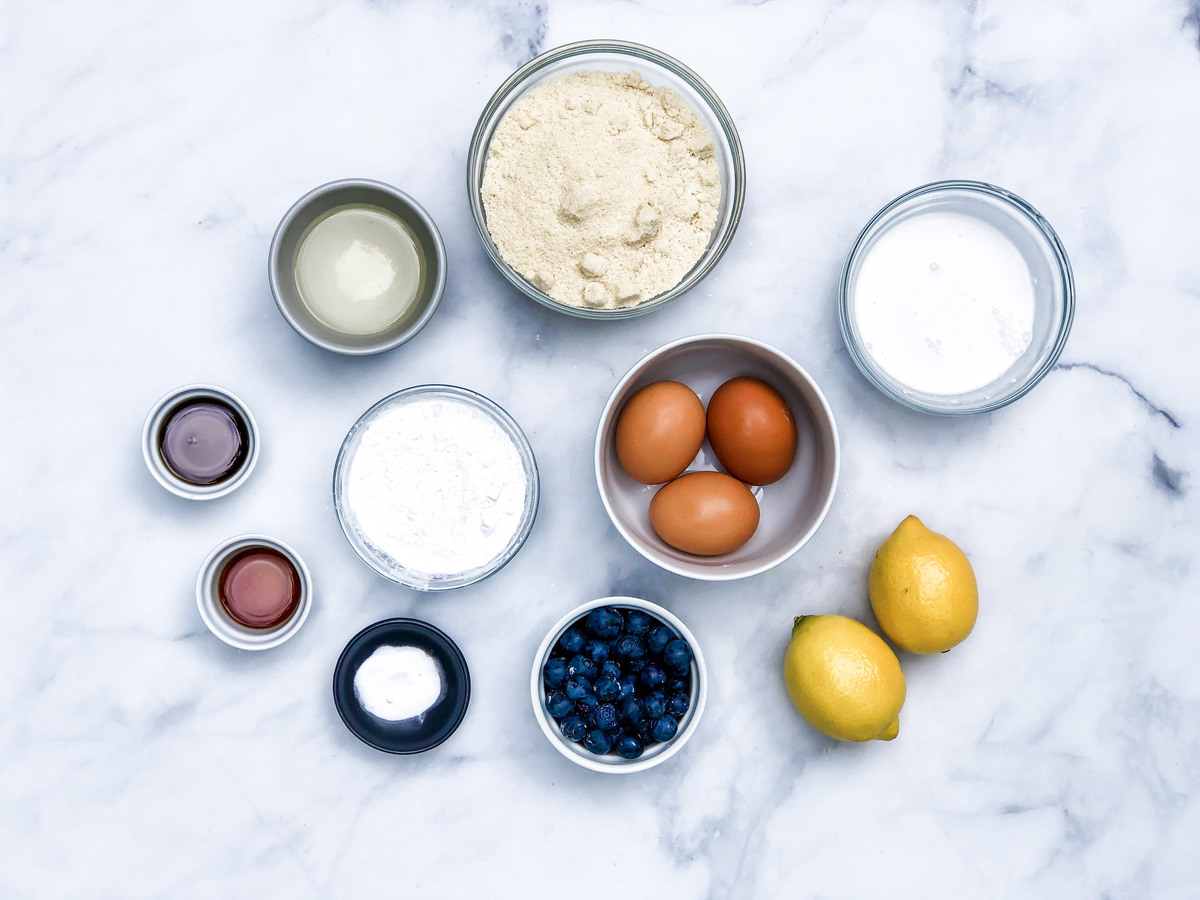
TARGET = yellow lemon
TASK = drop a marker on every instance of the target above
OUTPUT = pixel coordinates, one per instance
(844, 679)
(923, 589)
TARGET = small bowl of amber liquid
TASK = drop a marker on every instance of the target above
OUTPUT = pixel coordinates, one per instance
(254, 592)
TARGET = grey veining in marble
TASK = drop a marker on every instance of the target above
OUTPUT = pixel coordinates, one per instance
(147, 151)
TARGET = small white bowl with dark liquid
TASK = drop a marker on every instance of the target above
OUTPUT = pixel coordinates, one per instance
(253, 592)
(200, 442)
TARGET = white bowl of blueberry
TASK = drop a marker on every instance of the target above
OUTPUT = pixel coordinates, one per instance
(619, 685)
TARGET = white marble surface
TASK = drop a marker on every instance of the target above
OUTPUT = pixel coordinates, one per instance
(147, 151)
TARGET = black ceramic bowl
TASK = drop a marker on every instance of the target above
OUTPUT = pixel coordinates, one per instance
(409, 735)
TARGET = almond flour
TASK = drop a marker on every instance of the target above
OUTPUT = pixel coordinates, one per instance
(600, 189)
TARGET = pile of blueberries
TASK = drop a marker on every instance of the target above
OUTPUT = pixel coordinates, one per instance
(618, 681)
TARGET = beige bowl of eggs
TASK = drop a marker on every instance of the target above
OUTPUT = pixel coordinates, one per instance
(717, 457)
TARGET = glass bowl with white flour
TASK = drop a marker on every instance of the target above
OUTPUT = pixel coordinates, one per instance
(957, 298)
(436, 487)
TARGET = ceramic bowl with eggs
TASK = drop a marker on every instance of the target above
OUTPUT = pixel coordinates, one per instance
(717, 457)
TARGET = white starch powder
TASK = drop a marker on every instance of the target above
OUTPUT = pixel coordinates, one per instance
(944, 302)
(398, 683)
(437, 485)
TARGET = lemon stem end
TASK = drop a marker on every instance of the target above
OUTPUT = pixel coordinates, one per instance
(891, 731)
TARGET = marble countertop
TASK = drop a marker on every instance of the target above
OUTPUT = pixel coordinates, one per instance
(147, 152)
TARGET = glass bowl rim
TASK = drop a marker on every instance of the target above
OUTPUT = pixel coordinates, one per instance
(532, 485)
(481, 138)
(1060, 258)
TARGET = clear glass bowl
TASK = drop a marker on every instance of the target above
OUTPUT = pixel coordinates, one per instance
(658, 69)
(1053, 283)
(394, 569)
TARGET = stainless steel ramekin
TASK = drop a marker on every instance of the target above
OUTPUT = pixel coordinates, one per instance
(156, 421)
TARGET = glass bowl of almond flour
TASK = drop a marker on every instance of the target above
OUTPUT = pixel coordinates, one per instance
(436, 487)
(606, 179)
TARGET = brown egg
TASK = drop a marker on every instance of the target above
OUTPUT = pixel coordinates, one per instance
(705, 513)
(751, 430)
(660, 431)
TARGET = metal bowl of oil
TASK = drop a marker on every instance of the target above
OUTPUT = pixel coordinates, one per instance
(363, 194)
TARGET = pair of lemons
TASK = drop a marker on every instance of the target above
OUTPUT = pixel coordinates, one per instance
(841, 676)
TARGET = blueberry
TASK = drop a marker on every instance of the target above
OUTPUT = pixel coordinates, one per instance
(605, 622)
(677, 655)
(630, 647)
(599, 742)
(636, 665)
(597, 651)
(628, 685)
(629, 747)
(658, 639)
(645, 730)
(604, 717)
(678, 704)
(631, 710)
(572, 641)
(577, 687)
(678, 686)
(637, 622)
(664, 729)
(586, 704)
(652, 676)
(607, 688)
(555, 671)
(654, 705)
(573, 728)
(611, 669)
(558, 704)
(582, 666)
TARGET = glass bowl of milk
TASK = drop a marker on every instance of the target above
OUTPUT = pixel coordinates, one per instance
(957, 298)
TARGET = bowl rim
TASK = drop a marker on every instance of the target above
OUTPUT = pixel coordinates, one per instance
(440, 637)
(437, 265)
(220, 624)
(699, 688)
(1067, 282)
(155, 419)
(510, 427)
(715, 574)
(481, 139)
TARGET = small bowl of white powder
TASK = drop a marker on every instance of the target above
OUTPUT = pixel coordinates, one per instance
(606, 179)
(401, 686)
(957, 298)
(436, 487)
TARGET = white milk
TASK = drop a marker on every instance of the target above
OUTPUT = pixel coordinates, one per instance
(944, 303)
